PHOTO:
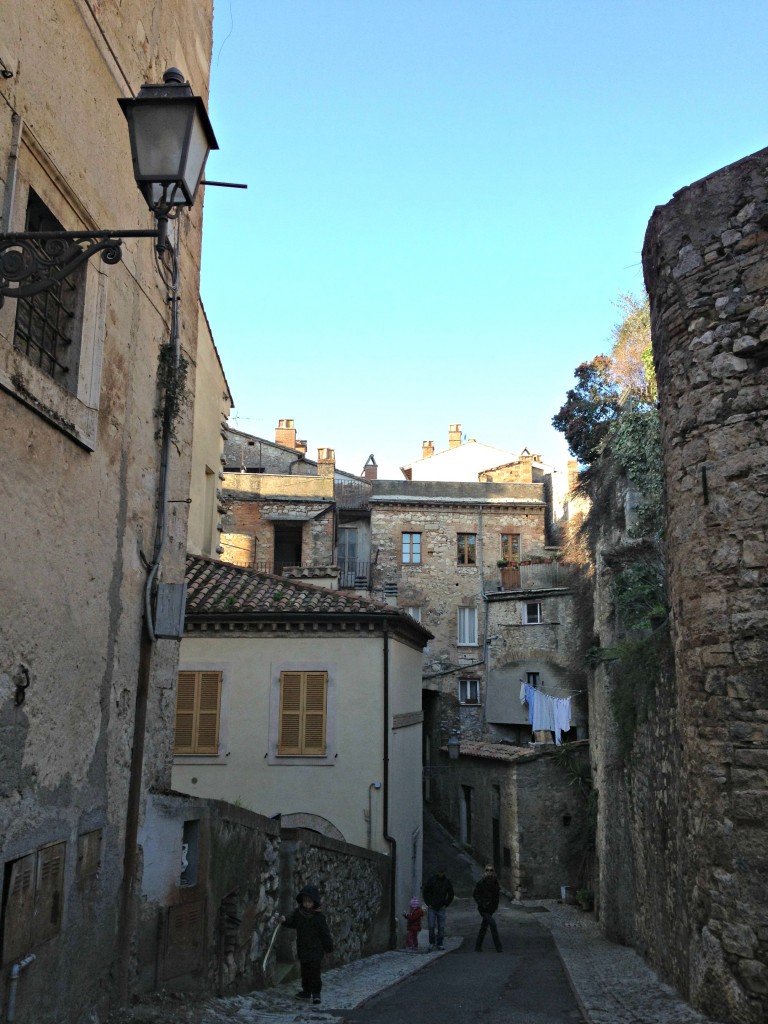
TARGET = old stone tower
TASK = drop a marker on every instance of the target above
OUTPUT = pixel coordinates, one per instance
(706, 269)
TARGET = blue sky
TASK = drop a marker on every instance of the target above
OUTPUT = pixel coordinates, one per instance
(446, 199)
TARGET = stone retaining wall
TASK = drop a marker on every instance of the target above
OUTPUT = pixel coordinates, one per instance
(706, 268)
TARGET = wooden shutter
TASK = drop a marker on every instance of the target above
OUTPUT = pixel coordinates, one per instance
(208, 713)
(289, 741)
(302, 713)
(198, 712)
(314, 713)
(19, 908)
(49, 893)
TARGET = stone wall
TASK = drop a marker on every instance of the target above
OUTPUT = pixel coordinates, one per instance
(539, 841)
(207, 928)
(706, 267)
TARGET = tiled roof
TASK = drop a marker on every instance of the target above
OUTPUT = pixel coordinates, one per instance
(218, 588)
(508, 752)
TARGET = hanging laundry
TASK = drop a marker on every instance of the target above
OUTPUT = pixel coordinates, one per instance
(562, 708)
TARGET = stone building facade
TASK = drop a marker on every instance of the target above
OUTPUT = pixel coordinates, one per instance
(697, 802)
(85, 698)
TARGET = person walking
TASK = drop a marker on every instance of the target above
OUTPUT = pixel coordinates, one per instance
(313, 939)
(413, 924)
(486, 895)
(438, 895)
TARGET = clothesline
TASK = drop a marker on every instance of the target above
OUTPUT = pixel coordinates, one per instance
(545, 712)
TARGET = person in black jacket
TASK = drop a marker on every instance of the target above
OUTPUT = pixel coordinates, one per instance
(486, 895)
(313, 939)
(438, 895)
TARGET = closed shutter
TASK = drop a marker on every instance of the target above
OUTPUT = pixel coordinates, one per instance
(19, 908)
(289, 741)
(198, 713)
(208, 713)
(303, 699)
(314, 713)
(49, 895)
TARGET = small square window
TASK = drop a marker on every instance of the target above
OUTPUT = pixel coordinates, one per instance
(469, 691)
(414, 611)
(411, 549)
(532, 613)
(532, 679)
(466, 549)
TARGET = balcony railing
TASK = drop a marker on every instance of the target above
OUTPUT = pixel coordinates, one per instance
(538, 576)
(355, 575)
(352, 493)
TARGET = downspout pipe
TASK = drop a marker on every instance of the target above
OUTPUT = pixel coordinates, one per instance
(387, 837)
(14, 983)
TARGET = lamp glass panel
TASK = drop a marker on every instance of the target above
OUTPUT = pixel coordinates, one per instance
(159, 131)
(196, 157)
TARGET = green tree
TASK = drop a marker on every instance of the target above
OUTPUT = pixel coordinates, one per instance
(632, 354)
(589, 409)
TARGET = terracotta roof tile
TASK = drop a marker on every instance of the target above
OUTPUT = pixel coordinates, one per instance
(218, 588)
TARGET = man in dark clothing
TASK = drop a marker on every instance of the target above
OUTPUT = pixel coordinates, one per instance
(438, 895)
(486, 895)
(312, 940)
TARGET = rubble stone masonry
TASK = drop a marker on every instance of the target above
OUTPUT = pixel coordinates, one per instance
(706, 268)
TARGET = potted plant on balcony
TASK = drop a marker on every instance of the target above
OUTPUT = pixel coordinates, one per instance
(586, 899)
(510, 574)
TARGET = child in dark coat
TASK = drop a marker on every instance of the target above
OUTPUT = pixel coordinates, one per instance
(313, 939)
(413, 924)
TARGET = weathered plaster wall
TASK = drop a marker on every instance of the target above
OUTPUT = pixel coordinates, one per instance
(705, 259)
(76, 516)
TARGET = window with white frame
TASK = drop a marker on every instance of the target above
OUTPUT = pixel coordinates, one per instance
(532, 615)
(411, 548)
(467, 627)
(469, 691)
(414, 611)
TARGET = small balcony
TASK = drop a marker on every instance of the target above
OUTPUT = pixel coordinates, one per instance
(536, 576)
(354, 575)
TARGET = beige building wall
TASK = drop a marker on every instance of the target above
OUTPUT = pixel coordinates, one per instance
(213, 404)
(336, 795)
(79, 471)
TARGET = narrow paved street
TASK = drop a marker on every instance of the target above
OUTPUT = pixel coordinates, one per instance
(525, 984)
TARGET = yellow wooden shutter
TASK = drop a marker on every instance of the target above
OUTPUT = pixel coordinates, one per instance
(289, 740)
(302, 713)
(198, 713)
(209, 700)
(314, 713)
(184, 742)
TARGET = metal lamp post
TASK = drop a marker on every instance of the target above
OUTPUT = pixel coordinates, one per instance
(171, 138)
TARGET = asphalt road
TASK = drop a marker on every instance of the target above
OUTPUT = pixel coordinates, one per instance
(526, 984)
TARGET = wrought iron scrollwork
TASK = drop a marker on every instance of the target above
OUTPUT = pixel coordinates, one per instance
(33, 261)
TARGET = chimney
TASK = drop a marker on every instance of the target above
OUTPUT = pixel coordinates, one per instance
(370, 469)
(326, 462)
(427, 449)
(285, 434)
(301, 447)
(454, 435)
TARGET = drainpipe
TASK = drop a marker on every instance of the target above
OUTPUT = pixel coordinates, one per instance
(387, 837)
(15, 972)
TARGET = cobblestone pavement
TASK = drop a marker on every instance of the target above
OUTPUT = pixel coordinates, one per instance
(612, 983)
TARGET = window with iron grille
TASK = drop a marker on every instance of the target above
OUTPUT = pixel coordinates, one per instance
(466, 548)
(48, 324)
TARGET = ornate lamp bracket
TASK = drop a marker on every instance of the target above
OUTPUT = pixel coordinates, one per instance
(32, 261)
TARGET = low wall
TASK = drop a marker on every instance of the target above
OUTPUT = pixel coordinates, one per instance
(216, 879)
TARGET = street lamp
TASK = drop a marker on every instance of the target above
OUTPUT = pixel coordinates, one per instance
(171, 137)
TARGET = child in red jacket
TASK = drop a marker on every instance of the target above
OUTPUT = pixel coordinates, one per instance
(413, 924)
